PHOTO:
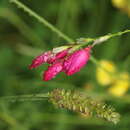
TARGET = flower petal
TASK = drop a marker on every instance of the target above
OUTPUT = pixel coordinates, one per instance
(39, 60)
(52, 71)
(76, 61)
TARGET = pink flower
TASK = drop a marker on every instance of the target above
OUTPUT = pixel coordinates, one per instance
(39, 60)
(48, 57)
(62, 61)
(76, 61)
(52, 71)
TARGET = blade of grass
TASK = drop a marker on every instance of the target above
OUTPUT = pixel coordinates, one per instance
(31, 97)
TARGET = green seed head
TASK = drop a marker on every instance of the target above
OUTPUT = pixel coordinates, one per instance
(79, 102)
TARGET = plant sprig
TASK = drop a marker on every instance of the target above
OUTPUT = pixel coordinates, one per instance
(74, 101)
(84, 41)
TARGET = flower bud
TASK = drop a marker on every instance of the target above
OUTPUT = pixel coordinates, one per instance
(52, 71)
(76, 61)
(104, 71)
(121, 85)
(39, 60)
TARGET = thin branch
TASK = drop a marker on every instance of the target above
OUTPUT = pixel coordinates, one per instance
(99, 40)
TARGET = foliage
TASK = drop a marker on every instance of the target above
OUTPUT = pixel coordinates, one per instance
(22, 37)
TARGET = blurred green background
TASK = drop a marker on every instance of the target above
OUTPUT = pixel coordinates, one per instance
(23, 37)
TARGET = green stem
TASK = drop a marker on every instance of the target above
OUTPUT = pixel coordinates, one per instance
(119, 33)
(41, 19)
(94, 41)
(31, 97)
(106, 37)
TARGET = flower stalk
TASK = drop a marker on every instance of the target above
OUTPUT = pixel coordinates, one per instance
(99, 40)
(22, 98)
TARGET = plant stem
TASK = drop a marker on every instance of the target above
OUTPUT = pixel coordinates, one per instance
(31, 97)
(119, 33)
(95, 41)
(41, 19)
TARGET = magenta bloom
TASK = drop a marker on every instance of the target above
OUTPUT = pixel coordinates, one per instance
(76, 61)
(62, 61)
(47, 57)
(52, 71)
(39, 60)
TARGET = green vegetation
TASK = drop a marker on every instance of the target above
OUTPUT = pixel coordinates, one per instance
(24, 34)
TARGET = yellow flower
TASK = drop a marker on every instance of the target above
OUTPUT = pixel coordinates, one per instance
(124, 5)
(121, 85)
(119, 3)
(104, 72)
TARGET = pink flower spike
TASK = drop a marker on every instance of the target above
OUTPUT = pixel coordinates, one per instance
(76, 61)
(39, 60)
(52, 71)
